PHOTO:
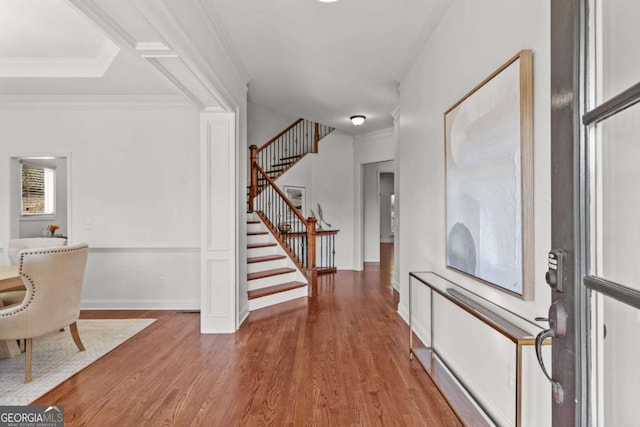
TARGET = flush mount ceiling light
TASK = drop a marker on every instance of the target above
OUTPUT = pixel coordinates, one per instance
(357, 120)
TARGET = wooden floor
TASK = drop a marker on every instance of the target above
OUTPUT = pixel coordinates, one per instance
(339, 359)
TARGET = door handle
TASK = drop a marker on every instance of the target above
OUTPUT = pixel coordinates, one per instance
(556, 387)
(557, 329)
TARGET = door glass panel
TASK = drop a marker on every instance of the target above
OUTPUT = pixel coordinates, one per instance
(619, 198)
(620, 54)
(620, 355)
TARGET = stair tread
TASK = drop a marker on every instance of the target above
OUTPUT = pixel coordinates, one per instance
(270, 273)
(270, 290)
(253, 222)
(257, 233)
(260, 245)
(291, 157)
(265, 258)
(277, 165)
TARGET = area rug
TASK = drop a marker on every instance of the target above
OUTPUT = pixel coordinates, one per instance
(56, 358)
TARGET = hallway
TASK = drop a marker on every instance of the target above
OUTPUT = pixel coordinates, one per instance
(339, 359)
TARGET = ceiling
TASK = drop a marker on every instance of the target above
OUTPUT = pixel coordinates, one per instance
(47, 47)
(320, 61)
(327, 61)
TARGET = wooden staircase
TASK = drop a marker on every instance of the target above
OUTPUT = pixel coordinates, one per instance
(284, 150)
(282, 260)
(271, 275)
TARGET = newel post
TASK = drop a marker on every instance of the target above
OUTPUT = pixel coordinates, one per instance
(312, 270)
(253, 188)
(316, 136)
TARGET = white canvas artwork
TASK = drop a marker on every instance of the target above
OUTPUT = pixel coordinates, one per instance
(483, 182)
(297, 196)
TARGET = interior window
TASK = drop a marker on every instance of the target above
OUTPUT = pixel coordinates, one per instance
(38, 189)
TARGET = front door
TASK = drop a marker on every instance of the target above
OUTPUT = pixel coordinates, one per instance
(595, 259)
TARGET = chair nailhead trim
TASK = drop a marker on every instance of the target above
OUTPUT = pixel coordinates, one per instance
(31, 285)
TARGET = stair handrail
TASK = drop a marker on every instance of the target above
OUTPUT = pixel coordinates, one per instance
(299, 244)
(278, 136)
(301, 140)
(290, 146)
(282, 195)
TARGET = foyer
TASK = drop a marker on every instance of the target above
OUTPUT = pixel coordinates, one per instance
(337, 359)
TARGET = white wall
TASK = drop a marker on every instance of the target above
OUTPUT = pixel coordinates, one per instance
(333, 189)
(264, 123)
(135, 198)
(470, 43)
(328, 178)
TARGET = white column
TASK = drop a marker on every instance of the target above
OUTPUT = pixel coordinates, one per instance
(218, 223)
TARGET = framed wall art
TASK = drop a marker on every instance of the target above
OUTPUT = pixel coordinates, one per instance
(489, 179)
(297, 196)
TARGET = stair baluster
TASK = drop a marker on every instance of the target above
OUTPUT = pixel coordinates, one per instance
(296, 234)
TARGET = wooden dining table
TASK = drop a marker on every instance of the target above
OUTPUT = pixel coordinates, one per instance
(9, 281)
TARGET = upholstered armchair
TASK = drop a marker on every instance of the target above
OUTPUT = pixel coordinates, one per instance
(53, 278)
(17, 245)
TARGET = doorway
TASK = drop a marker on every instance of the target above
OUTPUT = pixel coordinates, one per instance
(387, 219)
(379, 215)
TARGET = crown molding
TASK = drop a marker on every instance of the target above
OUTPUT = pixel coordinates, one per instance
(220, 31)
(61, 67)
(435, 18)
(172, 46)
(376, 134)
(96, 14)
(165, 25)
(155, 50)
(95, 102)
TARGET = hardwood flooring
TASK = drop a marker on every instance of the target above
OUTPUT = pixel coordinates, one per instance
(339, 359)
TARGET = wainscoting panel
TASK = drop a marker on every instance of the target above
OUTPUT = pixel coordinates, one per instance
(142, 278)
(219, 281)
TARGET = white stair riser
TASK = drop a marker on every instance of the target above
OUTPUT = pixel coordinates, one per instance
(296, 276)
(266, 265)
(260, 238)
(255, 227)
(256, 252)
(271, 281)
(269, 300)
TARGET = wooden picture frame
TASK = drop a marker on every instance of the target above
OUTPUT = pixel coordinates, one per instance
(489, 180)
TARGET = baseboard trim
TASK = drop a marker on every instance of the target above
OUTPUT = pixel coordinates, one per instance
(403, 312)
(145, 249)
(243, 316)
(125, 304)
(418, 328)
